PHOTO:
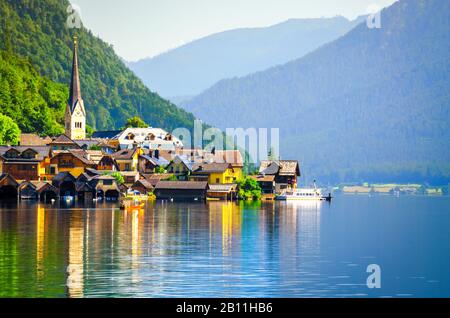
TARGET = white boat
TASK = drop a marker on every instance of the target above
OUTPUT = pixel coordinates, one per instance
(303, 194)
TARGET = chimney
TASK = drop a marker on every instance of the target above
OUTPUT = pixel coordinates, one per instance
(157, 153)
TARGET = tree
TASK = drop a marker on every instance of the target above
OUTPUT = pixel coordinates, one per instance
(9, 131)
(89, 131)
(95, 147)
(116, 175)
(249, 189)
(272, 156)
(160, 169)
(135, 122)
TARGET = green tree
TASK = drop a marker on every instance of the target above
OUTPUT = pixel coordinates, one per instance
(135, 122)
(116, 175)
(9, 131)
(160, 169)
(95, 147)
(249, 189)
(90, 132)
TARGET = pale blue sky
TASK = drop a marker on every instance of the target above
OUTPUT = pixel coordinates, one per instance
(143, 28)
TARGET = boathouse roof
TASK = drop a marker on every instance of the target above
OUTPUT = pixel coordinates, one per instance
(182, 185)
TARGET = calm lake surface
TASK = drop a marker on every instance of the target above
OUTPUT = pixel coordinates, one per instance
(228, 249)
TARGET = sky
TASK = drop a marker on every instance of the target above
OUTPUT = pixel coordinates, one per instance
(144, 28)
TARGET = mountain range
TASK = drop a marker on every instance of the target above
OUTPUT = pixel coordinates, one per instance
(36, 31)
(194, 67)
(371, 105)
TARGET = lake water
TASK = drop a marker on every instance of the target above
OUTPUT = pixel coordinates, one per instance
(228, 249)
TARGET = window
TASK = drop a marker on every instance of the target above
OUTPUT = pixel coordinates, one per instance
(217, 180)
(107, 182)
(127, 167)
(29, 154)
(28, 168)
(12, 154)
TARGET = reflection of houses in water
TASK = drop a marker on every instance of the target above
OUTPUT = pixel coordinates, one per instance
(136, 215)
(75, 269)
(301, 224)
(226, 219)
(299, 234)
(40, 241)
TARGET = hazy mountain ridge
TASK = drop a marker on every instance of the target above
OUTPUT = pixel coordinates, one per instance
(192, 68)
(373, 104)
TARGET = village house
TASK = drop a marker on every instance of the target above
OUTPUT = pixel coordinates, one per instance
(128, 159)
(25, 163)
(63, 142)
(32, 140)
(37, 190)
(45, 191)
(73, 161)
(107, 163)
(8, 188)
(66, 183)
(154, 178)
(180, 167)
(181, 190)
(130, 177)
(149, 138)
(267, 184)
(150, 161)
(216, 173)
(103, 186)
(227, 192)
(142, 186)
(285, 172)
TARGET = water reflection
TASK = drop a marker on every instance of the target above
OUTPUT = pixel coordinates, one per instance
(40, 241)
(276, 249)
(75, 267)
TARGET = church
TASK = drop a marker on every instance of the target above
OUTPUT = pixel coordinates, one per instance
(75, 116)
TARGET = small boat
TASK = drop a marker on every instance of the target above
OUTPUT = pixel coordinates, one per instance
(136, 195)
(130, 205)
(304, 194)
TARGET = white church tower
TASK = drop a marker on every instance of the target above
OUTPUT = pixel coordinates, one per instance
(75, 117)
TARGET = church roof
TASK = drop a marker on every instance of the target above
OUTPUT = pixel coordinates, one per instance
(75, 90)
(63, 139)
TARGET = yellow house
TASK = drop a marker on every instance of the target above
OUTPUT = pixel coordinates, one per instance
(73, 161)
(216, 173)
(128, 159)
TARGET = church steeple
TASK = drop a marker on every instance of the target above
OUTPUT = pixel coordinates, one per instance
(75, 90)
(75, 112)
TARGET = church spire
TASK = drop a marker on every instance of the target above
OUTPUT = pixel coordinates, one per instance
(75, 116)
(75, 91)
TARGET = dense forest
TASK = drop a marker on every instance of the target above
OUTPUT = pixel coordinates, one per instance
(35, 103)
(35, 35)
(372, 105)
